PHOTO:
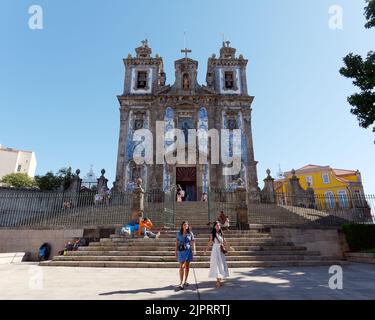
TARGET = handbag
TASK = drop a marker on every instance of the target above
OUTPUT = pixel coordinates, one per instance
(222, 248)
(182, 245)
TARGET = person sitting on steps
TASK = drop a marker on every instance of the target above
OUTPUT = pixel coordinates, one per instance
(145, 226)
(223, 220)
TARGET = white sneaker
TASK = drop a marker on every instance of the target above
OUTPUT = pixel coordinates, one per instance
(158, 235)
(146, 237)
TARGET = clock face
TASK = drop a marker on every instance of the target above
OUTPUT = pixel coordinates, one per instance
(138, 124)
(231, 124)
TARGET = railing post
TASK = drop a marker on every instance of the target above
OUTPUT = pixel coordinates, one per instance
(241, 201)
(268, 192)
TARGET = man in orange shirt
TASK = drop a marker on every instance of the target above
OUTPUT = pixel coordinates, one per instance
(145, 226)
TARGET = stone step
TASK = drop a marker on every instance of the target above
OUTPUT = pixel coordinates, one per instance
(171, 253)
(231, 264)
(201, 242)
(200, 248)
(197, 239)
(196, 258)
(204, 233)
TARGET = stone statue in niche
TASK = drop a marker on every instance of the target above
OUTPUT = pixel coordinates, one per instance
(162, 78)
(185, 82)
(209, 79)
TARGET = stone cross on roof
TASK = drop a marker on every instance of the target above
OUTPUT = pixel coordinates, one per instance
(186, 51)
(145, 43)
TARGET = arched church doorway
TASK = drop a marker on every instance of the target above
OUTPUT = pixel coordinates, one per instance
(186, 177)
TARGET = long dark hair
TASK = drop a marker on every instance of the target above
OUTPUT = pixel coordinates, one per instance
(214, 232)
(182, 227)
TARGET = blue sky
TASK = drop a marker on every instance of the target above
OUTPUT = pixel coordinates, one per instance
(58, 85)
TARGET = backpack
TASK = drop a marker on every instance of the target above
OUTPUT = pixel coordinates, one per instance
(44, 251)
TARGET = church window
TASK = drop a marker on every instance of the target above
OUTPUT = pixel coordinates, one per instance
(142, 79)
(325, 178)
(229, 83)
(309, 179)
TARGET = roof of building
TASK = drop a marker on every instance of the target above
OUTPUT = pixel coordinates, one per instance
(339, 174)
(13, 150)
(312, 166)
(344, 172)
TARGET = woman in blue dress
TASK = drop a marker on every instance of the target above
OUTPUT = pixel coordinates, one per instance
(185, 248)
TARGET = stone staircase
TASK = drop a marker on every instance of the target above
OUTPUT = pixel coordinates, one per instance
(196, 213)
(277, 215)
(251, 248)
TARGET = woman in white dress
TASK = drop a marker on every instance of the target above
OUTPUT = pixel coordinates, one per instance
(218, 262)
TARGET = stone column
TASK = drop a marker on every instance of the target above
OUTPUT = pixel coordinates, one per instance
(240, 199)
(138, 201)
(268, 192)
(120, 167)
(75, 184)
(102, 182)
(297, 196)
(252, 176)
(74, 190)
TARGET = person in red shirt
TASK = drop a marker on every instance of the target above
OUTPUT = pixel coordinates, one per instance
(145, 226)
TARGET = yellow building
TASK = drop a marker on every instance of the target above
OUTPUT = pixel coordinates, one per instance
(337, 187)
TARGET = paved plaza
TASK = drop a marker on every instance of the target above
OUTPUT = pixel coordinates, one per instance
(29, 281)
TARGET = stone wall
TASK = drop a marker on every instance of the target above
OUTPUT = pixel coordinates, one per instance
(330, 242)
(22, 240)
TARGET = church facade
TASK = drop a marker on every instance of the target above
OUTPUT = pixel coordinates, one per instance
(222, 103)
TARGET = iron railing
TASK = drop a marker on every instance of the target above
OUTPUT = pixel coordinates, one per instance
(63, 210)
(66, 210)
(287, 210)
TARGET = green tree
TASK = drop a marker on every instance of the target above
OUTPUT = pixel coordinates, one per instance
(48, 182)
(66, 176)
(52, 182)
(370, 14)
(363, 73)
(18, 180)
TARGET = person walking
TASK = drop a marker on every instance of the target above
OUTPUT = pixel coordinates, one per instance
(185, 249)
(180, 193)
(218, 262)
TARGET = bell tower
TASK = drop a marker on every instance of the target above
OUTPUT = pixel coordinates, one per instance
(143, 73)
(227, 74)
(186, 70)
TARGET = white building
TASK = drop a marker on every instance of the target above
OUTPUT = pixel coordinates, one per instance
(13, 161)
(90, 179)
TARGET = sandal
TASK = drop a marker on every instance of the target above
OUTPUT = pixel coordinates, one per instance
(186, 284)
(181, 287)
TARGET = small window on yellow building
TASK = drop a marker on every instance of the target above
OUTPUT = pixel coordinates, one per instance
(325, 177)
(309, 179)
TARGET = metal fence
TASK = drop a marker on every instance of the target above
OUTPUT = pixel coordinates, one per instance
(287, 210)
(33, 209)
(63, 210)
(67, 210)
